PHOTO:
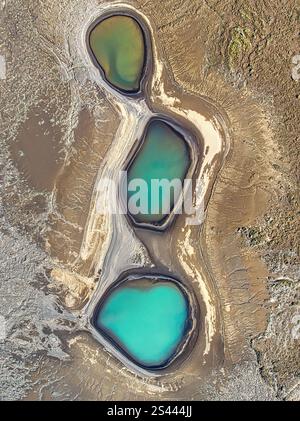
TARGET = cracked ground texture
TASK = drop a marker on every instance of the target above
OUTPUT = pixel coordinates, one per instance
(239, 53)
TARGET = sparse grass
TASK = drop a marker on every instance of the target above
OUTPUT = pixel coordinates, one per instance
(245, 14)
(282, 282)
(239, 43)
(252, 235)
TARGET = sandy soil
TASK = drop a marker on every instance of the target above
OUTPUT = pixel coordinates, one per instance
(238, 53)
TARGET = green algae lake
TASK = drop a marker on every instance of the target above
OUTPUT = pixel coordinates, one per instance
(118, 46)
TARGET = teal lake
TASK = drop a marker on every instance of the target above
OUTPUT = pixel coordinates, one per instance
(164, 155)
(148, 320)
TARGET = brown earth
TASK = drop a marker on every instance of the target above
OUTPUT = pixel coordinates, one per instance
(239, 54)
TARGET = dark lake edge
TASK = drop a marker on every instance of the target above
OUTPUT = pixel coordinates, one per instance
(191, 329)
(185, 129)
(148, 59)
(192, 150)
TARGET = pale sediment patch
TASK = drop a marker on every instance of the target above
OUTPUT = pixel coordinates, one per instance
(119, 244)
(77, 287)
(126, 135)
(216, 143)
(2, 67)
(158, 85)
(186, 252)
(131, 115)
(214, 136)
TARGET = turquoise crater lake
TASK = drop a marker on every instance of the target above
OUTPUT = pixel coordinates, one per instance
(147, 319)
(164, 155)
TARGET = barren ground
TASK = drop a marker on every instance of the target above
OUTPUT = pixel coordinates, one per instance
(239, 53)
